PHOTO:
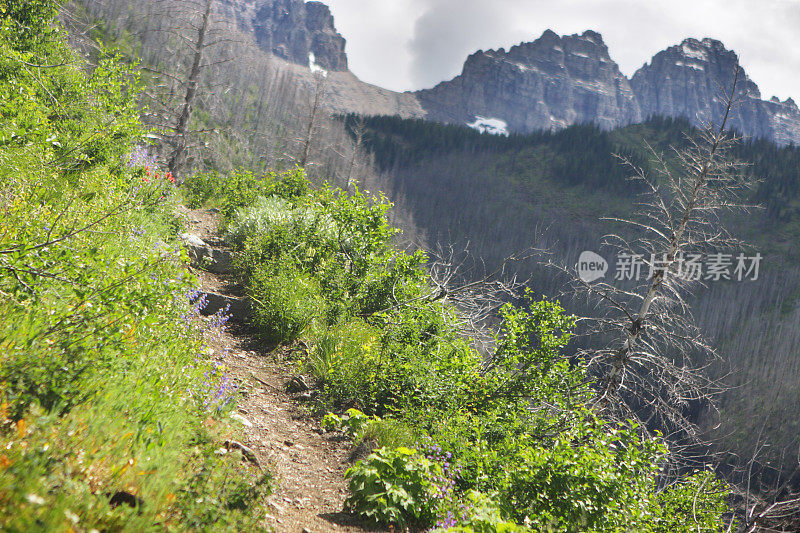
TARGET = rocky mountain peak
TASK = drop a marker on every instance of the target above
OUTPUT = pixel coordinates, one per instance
(547, 83)
(594, 37)
(291, 30)
(690, 79)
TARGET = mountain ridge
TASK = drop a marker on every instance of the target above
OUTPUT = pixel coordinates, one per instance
(572, 79)
(568, 80)
(545, 84)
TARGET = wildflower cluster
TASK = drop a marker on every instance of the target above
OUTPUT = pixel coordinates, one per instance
(450, 511)
(155, 175)
(217, 389)
(145, 165)
(139, 157)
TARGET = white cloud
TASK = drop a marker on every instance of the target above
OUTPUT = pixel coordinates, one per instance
(409, 44)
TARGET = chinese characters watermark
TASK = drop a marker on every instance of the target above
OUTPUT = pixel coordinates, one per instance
(690, 267)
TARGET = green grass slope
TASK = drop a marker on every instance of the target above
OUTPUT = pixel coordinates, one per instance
(110, 410)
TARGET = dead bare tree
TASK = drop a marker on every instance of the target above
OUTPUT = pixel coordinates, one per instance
(359, 130)
(764, 507)
(314, 112)
(654, 372)
(177, 159)
(175, 39)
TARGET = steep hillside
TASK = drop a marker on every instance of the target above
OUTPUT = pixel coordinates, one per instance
(112, 413)
(502, 195)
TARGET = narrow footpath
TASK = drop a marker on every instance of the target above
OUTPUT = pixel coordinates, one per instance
(308, 465)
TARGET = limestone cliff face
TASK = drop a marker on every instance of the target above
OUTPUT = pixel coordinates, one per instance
(549, 83)
(291, 30)
(687, 80)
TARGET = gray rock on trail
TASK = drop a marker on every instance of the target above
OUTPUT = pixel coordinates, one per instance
(298, 384)
(205, 256)
(239, 308)
(191, 240)
(247, 454)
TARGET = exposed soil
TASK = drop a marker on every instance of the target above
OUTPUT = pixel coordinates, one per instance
(308, 465)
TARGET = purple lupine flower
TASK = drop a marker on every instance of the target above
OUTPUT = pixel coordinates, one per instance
(139, 158)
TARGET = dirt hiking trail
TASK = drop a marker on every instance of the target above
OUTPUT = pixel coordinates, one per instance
(308, 466)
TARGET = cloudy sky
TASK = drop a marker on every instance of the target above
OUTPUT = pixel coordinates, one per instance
(411, 44)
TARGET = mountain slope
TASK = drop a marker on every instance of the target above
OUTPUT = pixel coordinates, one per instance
(555, 190)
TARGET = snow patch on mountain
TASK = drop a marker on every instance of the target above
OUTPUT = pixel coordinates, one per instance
(689, 65)
(492, 126)
(693, 51)
(312, 64)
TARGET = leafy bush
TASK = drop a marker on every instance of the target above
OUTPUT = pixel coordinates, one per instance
(392, 487)
(268, 213)
(286, 301)
(386, 433)
(354, 423)
(241, 188)
(603, 484)
(695, 503)
(344, 358)
(477, 513)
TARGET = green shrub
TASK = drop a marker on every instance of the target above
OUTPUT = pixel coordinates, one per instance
(354, 423)
(344, 358)
(240, 188)
(267, 213)
(695, 503)
(589, 478)
(285, 302)
(392, 487)
(387, 433)
(201, 187)
(477, 513)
